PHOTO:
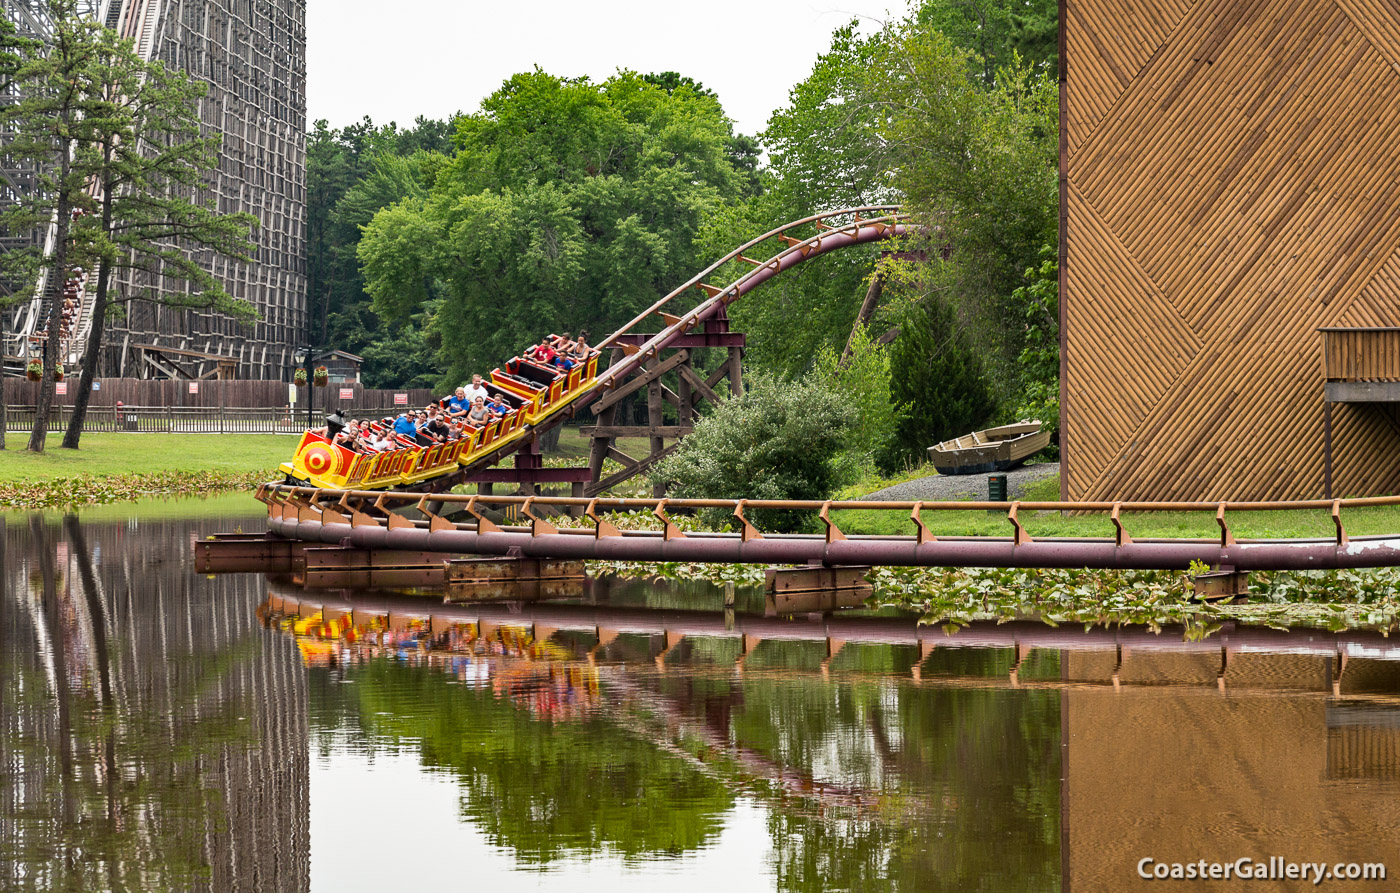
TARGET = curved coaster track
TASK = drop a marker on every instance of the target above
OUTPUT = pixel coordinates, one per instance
(638, 363)
(410, 512)
(863, 225)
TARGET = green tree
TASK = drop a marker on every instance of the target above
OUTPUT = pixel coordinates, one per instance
(825, 153)
(862, 381)
(978, 166)
(780, 440)
(19, 265)
(143, 156)
(58, 107)
(937, 385)
(1040, 360)
(352, 173)
(994, 31)
(568, 205)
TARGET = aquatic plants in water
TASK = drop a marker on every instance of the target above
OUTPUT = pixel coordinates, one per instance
(102, 490)
(1330, 599)
(954, 597)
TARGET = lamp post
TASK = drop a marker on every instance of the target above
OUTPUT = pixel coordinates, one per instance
(302, 357)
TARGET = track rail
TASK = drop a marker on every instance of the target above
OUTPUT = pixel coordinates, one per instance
(678, 622)
(366, 519)
(835, 230)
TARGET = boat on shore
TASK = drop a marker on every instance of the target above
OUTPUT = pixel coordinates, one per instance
(995, 449)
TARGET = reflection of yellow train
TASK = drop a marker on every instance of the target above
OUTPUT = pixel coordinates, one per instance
(535, 391)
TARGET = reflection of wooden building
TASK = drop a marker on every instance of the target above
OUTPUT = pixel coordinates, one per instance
(152, 736)
(1215, 775)
(1231, 186)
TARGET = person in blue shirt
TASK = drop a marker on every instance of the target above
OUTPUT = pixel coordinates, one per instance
(498, 405)
(458, 404)
(405, 426)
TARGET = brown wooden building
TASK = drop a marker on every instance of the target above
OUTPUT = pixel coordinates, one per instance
(1230, 188)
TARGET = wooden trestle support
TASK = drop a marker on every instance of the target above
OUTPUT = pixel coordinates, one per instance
(675, 366)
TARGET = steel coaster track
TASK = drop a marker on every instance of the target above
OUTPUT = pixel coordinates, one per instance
(867, 224)
(366, 519)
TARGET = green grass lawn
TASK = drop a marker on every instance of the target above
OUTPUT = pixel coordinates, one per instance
(107, 454)
(574, 445)
(1182, 525)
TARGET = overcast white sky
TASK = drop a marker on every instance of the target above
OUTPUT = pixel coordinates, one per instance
(396, 59)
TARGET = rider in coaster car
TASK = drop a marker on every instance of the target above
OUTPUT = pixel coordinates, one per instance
(438, 427)
(498, 405)
(479, 414)
(543, 353)
(405, 426)
(426, 437)
(476, 389)
(459, 404)
(379, 441)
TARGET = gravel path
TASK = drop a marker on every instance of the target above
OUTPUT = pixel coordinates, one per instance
(963, 486)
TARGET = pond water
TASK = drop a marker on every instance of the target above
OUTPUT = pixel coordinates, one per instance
(162, 730)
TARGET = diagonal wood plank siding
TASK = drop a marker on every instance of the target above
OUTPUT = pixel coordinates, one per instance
(1232, 172)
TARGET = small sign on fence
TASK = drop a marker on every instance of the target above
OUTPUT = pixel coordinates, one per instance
(349, 394)
(400, 399)
(194, 387)
(291, 394)
(97, 385)
(61, 388)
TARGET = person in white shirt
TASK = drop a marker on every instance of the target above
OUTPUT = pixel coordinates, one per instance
(476, 389)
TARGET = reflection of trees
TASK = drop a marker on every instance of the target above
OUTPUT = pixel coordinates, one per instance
(545, 790)
(969, 778)
(871, 782)
(148, 739)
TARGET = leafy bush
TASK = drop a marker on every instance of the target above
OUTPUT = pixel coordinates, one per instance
(863, 384)
(937, 385)
(1040, 359)
(780, 440)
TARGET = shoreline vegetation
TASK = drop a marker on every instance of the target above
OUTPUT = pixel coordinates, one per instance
(118, 468)
(156, 473)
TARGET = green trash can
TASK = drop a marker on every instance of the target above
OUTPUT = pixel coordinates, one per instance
(996, 488)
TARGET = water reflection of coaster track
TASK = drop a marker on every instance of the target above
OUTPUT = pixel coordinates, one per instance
(1353, 664)
(545, 678)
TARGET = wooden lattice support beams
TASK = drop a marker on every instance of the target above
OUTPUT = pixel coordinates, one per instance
(665, 379)
(1231, 184)
(253, 57)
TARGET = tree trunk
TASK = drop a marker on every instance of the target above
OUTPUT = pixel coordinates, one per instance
(91, 354)
(57, 268)
(549, 440)
(867, 310)
(93, 350)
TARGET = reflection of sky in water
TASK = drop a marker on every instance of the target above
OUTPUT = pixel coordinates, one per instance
(383, 822)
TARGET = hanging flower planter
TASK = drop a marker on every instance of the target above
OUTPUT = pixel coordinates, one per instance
(299, 377)
(58, 373)
(321, 377)
(34, 371)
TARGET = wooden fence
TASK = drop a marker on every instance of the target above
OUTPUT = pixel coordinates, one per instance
(215, 394)
(217, 407)
(1361, 354)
